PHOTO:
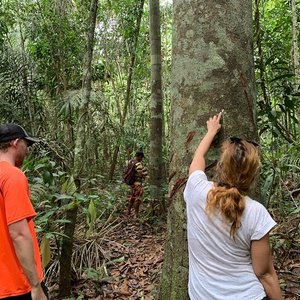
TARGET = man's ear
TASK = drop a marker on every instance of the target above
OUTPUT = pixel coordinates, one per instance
(14, 143)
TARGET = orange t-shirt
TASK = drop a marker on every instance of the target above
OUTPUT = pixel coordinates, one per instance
(15, 205)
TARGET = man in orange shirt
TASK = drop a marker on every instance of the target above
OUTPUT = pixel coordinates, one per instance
(21, 272)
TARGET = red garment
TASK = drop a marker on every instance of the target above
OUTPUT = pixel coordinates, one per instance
(15, 205)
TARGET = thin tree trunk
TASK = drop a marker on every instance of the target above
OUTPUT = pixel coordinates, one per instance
(212, 69)
(81, 130)
(61, 8)
(79, 162)
(31, 123)
(295, 40)
(258, 38)
(156, 122)
(65, 266)
(295, 50)
(140, 10)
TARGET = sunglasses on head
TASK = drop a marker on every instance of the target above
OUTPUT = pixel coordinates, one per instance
(234, 139)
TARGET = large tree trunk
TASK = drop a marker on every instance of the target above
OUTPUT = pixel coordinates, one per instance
(79, 161)
(212, 70)
(156, 123)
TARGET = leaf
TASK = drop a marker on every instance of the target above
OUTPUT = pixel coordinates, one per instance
(288, 75)
(296, 211)
(92, 212)
(61, 221)
(267, 186)
(293, 166)
(63, 196)
(39, 166)
(72, 205)
(117, 260)
(80, 197)
(69, 186)
(45, 251)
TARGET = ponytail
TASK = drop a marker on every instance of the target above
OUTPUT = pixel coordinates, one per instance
(236, 171)
(230, 202)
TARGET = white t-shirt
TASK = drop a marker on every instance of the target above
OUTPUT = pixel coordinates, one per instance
(219, 266)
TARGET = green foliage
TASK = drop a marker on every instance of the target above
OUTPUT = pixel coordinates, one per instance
(46, 178)
(18, 89)
(55, 42)
(7, 19)
(278, 99)
(278, 106)
(280, 175)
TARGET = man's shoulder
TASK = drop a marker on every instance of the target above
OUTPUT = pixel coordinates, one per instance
(138, 165)
(9, 171)
(130, 161)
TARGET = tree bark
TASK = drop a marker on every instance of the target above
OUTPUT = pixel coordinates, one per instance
(156, 122)
(295, 40)
(260, 58)
(295, 50)
(65, 266)
(212, 69)
(79, 158)
(25, 74)
(81, 130)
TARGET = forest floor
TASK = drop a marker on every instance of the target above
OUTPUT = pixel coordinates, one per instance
(138, 251)
(134, 252)
(285, 239)
(132, 255)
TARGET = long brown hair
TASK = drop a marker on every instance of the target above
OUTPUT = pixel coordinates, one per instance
(236, 171)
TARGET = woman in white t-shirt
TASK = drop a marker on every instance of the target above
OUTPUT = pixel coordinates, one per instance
(228, 232)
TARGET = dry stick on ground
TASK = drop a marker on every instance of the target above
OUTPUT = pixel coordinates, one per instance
(289, 192)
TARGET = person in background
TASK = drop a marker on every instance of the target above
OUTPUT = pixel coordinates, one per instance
(228, 232)
(20, 264)
(137, 191)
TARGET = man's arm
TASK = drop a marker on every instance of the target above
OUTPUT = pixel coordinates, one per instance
(264, 269)
(213, 126)
(23, 244)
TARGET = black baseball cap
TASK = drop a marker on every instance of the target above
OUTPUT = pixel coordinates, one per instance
(139, 153)
(11, 131)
